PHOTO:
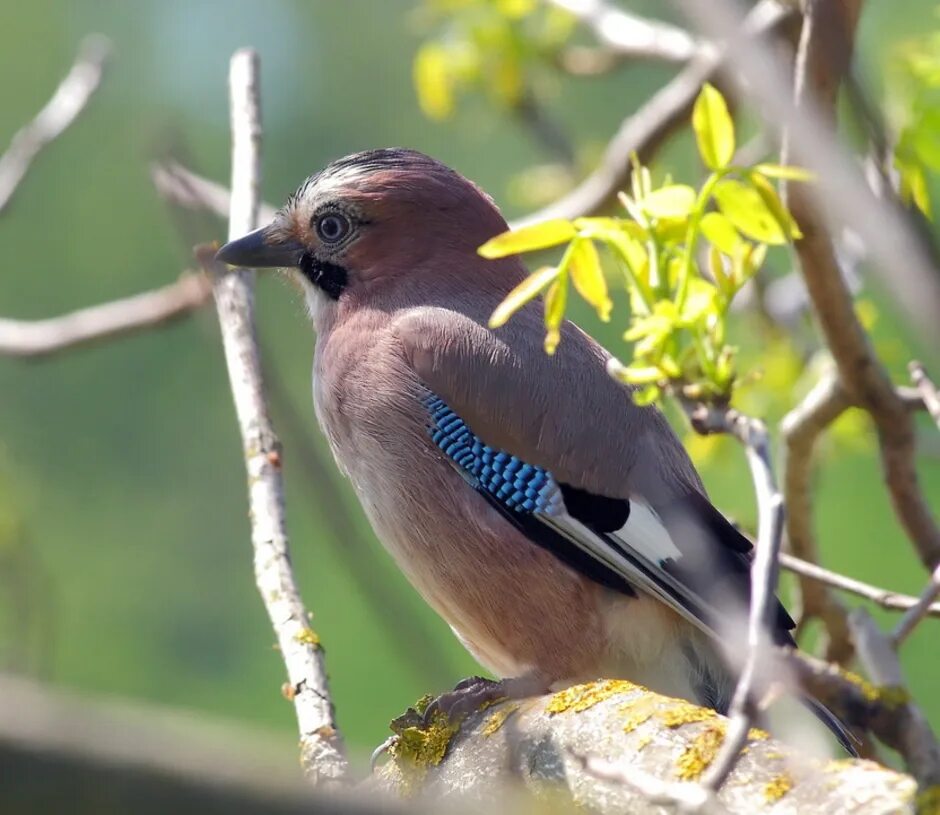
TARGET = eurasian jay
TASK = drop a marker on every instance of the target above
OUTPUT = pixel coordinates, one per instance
(560, 529)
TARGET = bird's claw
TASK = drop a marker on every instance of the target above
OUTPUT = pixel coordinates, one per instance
(468, 695)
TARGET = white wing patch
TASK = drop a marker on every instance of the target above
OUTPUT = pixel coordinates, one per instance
(636, 552)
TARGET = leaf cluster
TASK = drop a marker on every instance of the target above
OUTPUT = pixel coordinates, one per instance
(915, 99)
(493, 47)
(683, 255)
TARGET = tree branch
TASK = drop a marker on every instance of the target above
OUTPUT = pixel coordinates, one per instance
(322, 753)
(65, 106)
(43, 338)
(629, 36)
(887, 599)
(646, 129)
(563, 741)
(801, 428)
(848, 202)
(752, 434)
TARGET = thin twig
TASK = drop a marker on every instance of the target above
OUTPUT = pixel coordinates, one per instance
(646, 129)
(764, 570)
(629, 36)
(43, 338)
(322, 752)
(922, 608)
(678, 795)
(65, 106)
(184, 188)
(824, 50)
(801, 428)
(885, 598)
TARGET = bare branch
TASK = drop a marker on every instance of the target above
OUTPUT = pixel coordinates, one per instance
(922, 608)
(644, 744)
(186, 189)
(65, 106)
(801, 428)
(43, 338)
(680, 795)
(753, 435)
(628, 36)
(825, 49)
(644, 131)
(887, 599)
(322, 752)
(885, 711)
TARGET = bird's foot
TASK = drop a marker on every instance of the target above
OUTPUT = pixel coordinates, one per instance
(476, 692)
(468, 695)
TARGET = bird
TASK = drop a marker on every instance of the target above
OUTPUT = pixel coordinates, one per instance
(559, 528)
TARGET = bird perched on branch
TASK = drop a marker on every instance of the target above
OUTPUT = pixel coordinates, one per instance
(559, 528)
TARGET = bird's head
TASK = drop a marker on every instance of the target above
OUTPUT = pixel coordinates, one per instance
(371, 219)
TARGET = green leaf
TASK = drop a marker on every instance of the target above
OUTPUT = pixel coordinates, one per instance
(672, 201)
(720, 232)
(588, 277)
(785, 172)
(771, 199)
(701, 298)
(714, 129)
(555, 299)
(646, 396)
(639, 375)
(746, 209)
(433, 81)
(527, 290)
(913, 186)
(529, 238)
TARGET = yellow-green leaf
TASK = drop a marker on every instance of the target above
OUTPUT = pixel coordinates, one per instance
(672, 201)
(527, 290)
(785, 172)
(720, 232)
(555, 299)
(701, 298)
(772, 201)
(646, 396)
(433, 81)
(639, 375)
(588, 277)
(746, 209)
(529, 238)
(714, 129)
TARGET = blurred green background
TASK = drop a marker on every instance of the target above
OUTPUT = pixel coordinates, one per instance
(125, 565)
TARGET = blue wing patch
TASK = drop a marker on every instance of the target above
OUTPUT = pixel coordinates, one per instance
(521, 487)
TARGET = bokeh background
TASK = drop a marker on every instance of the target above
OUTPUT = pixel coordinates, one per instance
(125, 564)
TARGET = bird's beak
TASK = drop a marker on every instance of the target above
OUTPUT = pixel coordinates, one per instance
(261, 249)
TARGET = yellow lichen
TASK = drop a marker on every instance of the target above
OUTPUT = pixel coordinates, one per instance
(681, 712)
(642, 742)
(308, 637)
(497, 719)
(928, 801)
(638, 711)
(696, 758)
(582, 697)
(890, 695)
(756, 734)
(423, 747)
(777, 787)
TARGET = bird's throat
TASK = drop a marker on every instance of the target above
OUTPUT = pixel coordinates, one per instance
(326, 276)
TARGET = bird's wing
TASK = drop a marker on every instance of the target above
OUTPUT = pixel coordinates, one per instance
(563, 452)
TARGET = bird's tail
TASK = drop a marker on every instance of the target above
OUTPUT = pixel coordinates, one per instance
(836, 726)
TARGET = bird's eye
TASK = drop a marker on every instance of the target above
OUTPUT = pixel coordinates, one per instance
(332, 227)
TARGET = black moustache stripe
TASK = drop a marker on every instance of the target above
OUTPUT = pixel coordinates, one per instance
(328, 277)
